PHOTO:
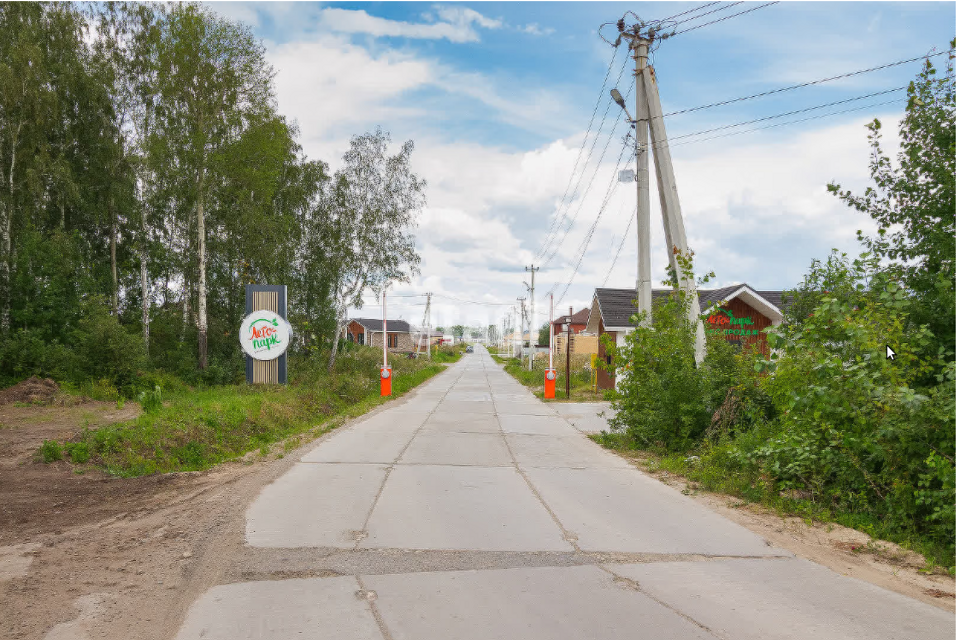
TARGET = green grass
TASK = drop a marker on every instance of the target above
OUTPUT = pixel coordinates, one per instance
(195, 429)
(712, 471)
(581, 385)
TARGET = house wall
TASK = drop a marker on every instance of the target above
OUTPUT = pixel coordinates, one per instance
(355, 329)
(578, 344)
(605, 380)
(741, 309)
(405, 341)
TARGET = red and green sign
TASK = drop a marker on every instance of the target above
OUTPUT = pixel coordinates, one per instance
(264, 335)
(725, 323)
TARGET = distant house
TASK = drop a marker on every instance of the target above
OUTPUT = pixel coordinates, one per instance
(739, 313)
(578, 324)
(369, 331)
(435, 339)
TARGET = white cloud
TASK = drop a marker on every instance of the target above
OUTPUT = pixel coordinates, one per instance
(456, 25)
(464, 16)
(534, 29)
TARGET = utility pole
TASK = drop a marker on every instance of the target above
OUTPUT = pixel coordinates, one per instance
(569, 323)
(650, 118)
(429, 327)
(519, 316)
(533, 309)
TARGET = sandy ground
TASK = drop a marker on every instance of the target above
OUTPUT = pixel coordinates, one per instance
(90, 556)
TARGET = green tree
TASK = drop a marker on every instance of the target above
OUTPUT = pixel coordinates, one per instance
(544, 335)
(458, 331)
(372, 210)
(914, 202)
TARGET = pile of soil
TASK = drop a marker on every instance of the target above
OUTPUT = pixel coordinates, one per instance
(33, 390)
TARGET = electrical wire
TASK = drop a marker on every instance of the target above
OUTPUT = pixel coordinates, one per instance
(803, 84)
(705, 24)
(623, 241)
(683, 13)
(790, 113)
(572, 220)
(783, 124)
(586, 134)
(561, 214)
(729, 6)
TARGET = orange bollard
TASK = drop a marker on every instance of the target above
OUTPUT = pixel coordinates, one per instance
(385, 381)
(549, 383)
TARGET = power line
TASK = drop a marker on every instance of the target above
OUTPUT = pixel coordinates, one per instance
(561, 215)
(616, 256)
(489, 304)
(572, 220)
(676, 33)
(683, 13)
(803, 84)
(791, 113)
(586, 241)
(783, 124)
(729, 6)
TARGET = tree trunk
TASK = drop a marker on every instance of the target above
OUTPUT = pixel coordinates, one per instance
(5, 243)
(144, 284)
(201, 279)
(115, 298)
(341, 324)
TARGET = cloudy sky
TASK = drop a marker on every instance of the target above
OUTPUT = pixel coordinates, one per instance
(498, 98)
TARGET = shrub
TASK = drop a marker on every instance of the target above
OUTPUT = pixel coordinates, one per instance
(51, 451)
(105, 350)
(79, 452)
(150, 401)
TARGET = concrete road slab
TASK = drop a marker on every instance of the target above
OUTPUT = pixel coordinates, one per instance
(566, 451)
(457, 395)
(519, 408)
(477, 449)
(312, 608)
(569, 603)
(583, 415)
(393, 421)
(788, 600)
(426, 507)
(361, 444)
(470, 423)
(314, 505)
(463, 407)
(624, 510)
(537, 425)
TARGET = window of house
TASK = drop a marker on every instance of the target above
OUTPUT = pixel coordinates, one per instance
(359, 338)
(349, 336)
(391, 340)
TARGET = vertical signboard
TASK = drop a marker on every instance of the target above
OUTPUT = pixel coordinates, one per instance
(263, 366)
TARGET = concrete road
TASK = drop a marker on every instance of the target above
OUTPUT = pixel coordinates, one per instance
(473, 511)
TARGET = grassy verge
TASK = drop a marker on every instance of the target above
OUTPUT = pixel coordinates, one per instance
(192, 429)
(581, 385)
(710, 471)
(447, 354)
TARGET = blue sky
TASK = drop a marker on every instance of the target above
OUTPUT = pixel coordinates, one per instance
(497, 98)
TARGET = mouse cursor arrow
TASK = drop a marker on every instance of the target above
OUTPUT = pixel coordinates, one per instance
(891, 354)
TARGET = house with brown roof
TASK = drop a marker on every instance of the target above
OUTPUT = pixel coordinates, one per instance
(739, 313)
(369, 331)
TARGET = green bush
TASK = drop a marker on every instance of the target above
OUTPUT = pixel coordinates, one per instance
(106, 350)
(79, 452)
(51, 451)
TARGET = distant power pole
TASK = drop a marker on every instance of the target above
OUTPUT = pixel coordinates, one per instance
(533, 309)
(520, 322)
(429, 327)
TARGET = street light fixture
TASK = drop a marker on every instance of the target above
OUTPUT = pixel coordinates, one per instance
(618, 98)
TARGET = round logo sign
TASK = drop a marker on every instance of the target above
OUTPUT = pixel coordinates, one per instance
(264, 335)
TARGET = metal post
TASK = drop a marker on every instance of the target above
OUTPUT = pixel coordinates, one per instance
(644, 287)
(429, 327)
(384, 327)
(550, 319)
(569, 323)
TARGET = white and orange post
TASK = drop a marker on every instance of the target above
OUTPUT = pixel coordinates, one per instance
(385, 372)
(550, 375)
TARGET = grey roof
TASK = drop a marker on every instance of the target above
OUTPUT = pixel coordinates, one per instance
(376, 324)
(617, 305)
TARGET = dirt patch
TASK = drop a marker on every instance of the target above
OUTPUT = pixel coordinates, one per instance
(33, 390)
(846, 551)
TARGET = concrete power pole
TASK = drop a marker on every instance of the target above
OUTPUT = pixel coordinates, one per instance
(650, 117)
(533, 309)
(429, 327)
(519, 316)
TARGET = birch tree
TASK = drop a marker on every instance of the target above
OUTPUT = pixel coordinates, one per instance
(373, 210)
